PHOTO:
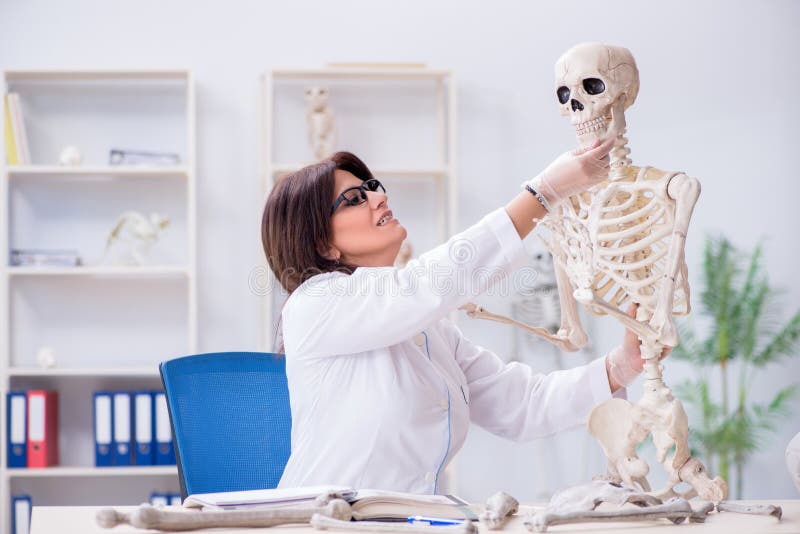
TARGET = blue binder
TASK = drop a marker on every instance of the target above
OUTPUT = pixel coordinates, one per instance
(165, 450)
(143, 427)
(122, 453)
(103, 428)
(159, 499)
(17, 428)
(20, 514)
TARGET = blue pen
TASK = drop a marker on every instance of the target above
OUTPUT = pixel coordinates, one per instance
(434, 521)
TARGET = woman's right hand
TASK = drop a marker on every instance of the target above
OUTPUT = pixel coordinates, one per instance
(573, 172)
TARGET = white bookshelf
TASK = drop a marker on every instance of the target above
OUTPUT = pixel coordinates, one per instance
(54, 171)
(376, 108)
(109, 325)
(85, 372)
(83, 472)
(121, 272)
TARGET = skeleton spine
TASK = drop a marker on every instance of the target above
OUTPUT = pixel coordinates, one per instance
(619, 156)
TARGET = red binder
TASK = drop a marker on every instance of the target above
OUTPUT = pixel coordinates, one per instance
(42, 428)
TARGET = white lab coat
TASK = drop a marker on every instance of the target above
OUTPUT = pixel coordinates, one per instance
(383, 387)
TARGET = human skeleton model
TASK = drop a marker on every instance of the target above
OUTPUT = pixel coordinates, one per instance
(623, 241)
(138, 231)
(320, 121)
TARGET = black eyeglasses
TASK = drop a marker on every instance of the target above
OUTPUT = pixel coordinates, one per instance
(353, 196)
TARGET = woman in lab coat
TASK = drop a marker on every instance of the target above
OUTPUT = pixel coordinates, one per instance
(382, 385)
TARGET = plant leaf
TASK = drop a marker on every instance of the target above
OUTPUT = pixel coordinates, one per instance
(783, 344)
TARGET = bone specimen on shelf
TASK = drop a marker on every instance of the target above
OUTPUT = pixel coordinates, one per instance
(320, 122)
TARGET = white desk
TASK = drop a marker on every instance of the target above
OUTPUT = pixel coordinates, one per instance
(80, 519)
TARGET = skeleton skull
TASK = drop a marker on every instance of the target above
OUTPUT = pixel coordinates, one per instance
(316, 98)
(595, 84)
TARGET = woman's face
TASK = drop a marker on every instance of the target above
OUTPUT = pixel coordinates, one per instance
(358, 237)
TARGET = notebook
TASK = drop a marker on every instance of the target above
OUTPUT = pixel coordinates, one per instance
(381, 505)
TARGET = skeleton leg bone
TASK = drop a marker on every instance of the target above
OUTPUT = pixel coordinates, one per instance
(676, 511)
(499, 508)
(149, 517)
(753, 509)
(322, 522)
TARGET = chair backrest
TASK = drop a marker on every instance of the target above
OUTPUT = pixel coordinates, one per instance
(231, 421)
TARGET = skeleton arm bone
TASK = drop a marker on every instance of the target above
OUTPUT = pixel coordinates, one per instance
(640, 329)
(570, 336)
(571, 327)
(479, 312)
(685, 191)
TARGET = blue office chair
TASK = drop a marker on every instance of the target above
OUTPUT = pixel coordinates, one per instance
(231, 421)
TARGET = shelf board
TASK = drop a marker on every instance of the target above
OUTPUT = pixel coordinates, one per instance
(122, 272)
(60, 75)
(418, 73)
(279, 169)
(85, 372)
(121, 171)
(63, 471)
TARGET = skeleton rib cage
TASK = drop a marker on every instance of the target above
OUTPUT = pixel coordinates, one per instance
(614, 241)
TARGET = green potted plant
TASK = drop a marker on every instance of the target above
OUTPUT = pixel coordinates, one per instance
(744, 328)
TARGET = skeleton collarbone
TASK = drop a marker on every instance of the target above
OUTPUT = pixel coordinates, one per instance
(613, 241)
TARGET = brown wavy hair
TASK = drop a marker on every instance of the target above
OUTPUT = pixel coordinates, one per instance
(296, 223)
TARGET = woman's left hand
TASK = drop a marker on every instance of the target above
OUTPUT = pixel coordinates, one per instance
(624, 363)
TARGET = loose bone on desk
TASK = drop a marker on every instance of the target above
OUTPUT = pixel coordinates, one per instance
(149, 517)
(676, 511)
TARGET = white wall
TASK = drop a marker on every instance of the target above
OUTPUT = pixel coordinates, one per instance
(718, 100)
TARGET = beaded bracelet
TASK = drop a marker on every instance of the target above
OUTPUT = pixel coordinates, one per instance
(539, 197)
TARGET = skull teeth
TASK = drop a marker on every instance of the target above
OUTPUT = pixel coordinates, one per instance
(591, 126)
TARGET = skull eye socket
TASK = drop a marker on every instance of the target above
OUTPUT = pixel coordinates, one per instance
(594, 86)
(563, 94)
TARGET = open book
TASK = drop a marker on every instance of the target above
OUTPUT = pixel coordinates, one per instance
(384, 505)
(367, 504)
(266, 498)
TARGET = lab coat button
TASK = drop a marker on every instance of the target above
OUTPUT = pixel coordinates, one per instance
(419, 339)
(430, 477)
(443, 403)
